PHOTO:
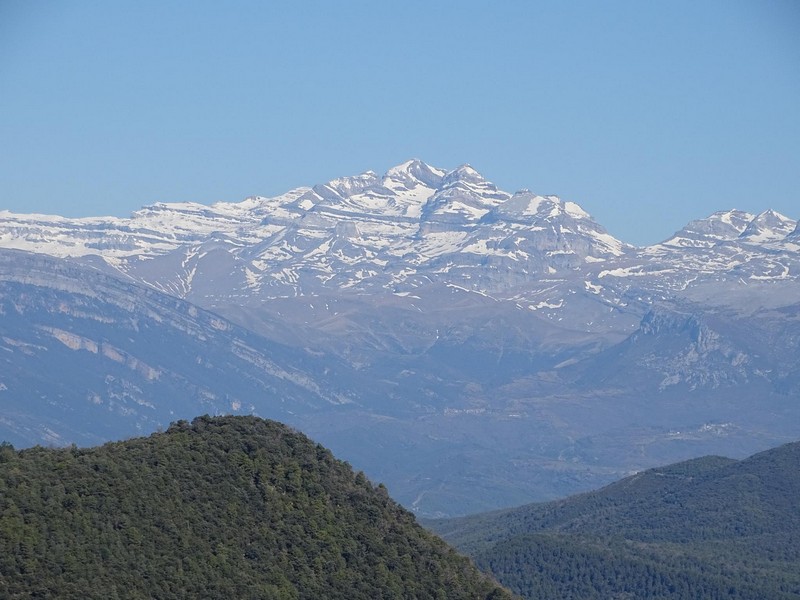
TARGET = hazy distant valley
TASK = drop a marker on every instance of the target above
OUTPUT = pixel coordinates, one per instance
(469, 347)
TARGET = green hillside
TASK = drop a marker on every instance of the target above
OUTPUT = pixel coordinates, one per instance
(707, 528)
(233, 507)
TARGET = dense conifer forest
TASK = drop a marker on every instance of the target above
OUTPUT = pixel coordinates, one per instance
(705, 529)
(231, 507)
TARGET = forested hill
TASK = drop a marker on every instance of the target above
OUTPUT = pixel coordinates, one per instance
(706, 528)
(232, 507)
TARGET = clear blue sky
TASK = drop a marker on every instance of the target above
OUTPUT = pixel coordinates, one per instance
(648, 114)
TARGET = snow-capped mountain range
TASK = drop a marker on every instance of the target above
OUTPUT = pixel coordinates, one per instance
(475, 314)
(414, 225)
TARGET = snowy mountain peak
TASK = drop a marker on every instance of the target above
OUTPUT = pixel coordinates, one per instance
(734, 219)
(413, 174)
(527, 206)
(418, 171)
(768, 226)
(348, 186)
(463, 174)
(717, 227)
(467, 179)
(406, 167)
(464, 198)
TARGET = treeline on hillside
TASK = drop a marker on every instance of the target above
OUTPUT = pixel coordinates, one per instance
(230, 507)
(710, 528)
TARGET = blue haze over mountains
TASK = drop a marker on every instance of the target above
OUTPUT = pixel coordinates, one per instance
(469, 347)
